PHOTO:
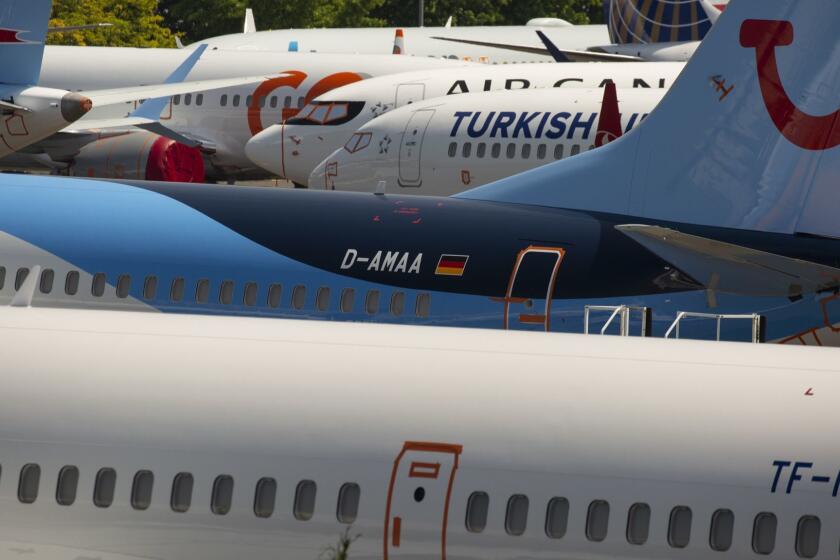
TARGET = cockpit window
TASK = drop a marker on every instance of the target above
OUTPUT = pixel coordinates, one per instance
(327, 113)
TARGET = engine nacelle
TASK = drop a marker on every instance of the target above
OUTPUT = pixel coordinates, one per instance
(139, 155)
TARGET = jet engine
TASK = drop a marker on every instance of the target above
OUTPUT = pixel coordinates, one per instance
(139, 155)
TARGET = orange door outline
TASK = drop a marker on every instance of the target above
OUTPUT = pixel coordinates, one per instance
(545, 319)
(420, 470)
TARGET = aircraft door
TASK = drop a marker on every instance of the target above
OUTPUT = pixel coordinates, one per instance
(411, 147)
(534, 272)
(409, 93)
(417, 511)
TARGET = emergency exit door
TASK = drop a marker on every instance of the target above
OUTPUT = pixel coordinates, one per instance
(411, 147)
(417, 511)
(531, 288)
(409, 93)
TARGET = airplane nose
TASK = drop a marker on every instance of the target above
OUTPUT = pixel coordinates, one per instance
(266, 149)
(74, 106)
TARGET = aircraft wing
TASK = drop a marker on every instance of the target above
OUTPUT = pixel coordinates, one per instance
(571, 55)
(123, 95)
(733, 268)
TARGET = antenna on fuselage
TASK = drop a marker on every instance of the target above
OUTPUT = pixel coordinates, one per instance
(380, 187)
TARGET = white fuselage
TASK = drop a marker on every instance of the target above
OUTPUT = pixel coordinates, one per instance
(294, 150)
(221, 118)
(420, 41)
(134, 435)
(446, 145)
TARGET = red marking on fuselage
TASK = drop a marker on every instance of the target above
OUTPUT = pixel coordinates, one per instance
(809, 392)
(806, 131)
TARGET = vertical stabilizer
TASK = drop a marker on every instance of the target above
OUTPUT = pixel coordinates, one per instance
(748, 137)
(399, 42)
(658, 21)
(23, 28)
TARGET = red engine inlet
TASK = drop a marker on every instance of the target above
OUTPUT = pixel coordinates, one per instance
(139, 155)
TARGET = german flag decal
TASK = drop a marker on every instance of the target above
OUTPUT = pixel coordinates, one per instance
(451, 265)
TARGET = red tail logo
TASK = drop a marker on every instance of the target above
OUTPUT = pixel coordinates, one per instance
(10, 36)
(806, 131)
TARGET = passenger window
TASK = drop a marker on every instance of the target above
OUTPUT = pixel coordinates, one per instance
(496, 150)
(222, 494)
(20, 277)
(273, 102)
(71, 283)
(526, 151)
(103, 488)
(250, 295)
(68, 482)
(299, 297)
(236, 100)
(248, 100)
(597, 520)
(348, 502)
(123, 285)
(764, 533)
(182, 489)
(322, 299)
(372, 302)
(287, 102)
(226, 292)
(511, 151)
(466, 149)
(223, 100)
(187, 98)
(274, 292)
(638, 523)
(97, 288)
(47, 277)
(2, 277)
(453, 149)
(30, 479)
(176, 292)
(575, 150)
(516, 515)
(558, 151)
(477, 506)
(808, 536)
(150, 287)
(202, 291)
(348, 295)
(397, 303)
(480, 149)
(423, 305)
(265, 495)
(304, 500)
(541, 150)
(556, 518)
(199, 99)
(300, 103)
(720, 535)
(176, 100)
(141, 490)
(591, 147)
(679, 527)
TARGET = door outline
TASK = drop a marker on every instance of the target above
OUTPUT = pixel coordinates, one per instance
(411, 87)
(402, 162)
(452, 448)
(545, 319)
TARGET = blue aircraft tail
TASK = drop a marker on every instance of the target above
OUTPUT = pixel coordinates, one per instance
(23, 29)
(658, 21)
(748, 136)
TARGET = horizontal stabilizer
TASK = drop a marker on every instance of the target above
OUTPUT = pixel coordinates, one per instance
(9, 106)
(152, 125)
(571, 55)
(733, 268)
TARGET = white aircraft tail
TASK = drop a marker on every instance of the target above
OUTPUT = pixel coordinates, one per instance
(23, 28)
(748, 137)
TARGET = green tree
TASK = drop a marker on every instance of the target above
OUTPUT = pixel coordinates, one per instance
(193, 20)
(135, 23)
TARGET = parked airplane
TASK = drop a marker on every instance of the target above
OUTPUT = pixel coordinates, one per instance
(220, 122)
(446, 145)
(406, 442)
(31, 113)
(294, 148)
(723, 220)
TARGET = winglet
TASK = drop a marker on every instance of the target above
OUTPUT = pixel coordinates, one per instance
(151, 108)
(399, 42)
(26, 293)
(23, 29)
(555, 53)
(609, 121)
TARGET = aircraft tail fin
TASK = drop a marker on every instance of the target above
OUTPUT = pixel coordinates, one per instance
(399, 42)
(748, 136)
(23, 29)
(658, 21)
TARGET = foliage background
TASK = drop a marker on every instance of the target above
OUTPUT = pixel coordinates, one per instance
(154, 23)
